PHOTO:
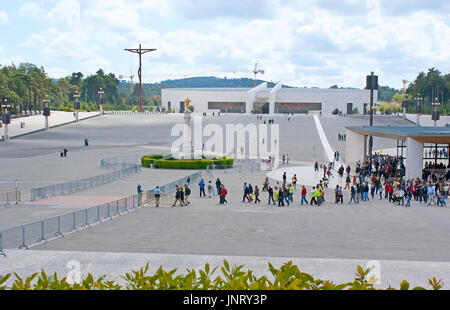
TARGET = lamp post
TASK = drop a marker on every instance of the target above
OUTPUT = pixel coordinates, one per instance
(372, 84)
(46, 102)
(419, 101)
(6, 119)
(405, 105)
(100, 94)
(435, 116)
(76, 97)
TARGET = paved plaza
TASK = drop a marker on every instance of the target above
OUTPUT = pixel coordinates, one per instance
(407, 240)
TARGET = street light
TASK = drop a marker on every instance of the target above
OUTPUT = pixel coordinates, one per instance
(77, 96)
(372, 84)
(6, 118)
(419, 101)
(100, 94)
(46, 102)
(405, 105)
(435, 115)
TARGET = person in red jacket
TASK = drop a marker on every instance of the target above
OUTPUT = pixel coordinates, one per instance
(304, 192)
(386, 190)
(223, 194)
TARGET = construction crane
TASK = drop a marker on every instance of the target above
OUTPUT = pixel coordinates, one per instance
(131, 77)
(256, 72)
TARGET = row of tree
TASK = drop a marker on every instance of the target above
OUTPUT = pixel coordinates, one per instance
(26, 86)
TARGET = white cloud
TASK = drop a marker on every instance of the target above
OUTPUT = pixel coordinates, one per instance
(31, 10)
(65, 12)
(3, 18)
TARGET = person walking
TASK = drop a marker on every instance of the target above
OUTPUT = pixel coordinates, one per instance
(284, 178)
(280, 198)
(218, 186)
(294, 181)
(291, 192)
(223, 194)
(139, 191)
(353, 195)
(211, 190)
(157, 194)
(178, 193)
(347, 182)
(187, 193)
(257, 194)
(304, 192)
(201, 185)
(265, 185)
(316, 167)
(246, 192)
(313, 196)
(270, 191)
(286, 195)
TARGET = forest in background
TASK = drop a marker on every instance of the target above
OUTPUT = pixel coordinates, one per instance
(26, 86)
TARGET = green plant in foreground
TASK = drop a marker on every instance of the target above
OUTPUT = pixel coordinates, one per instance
(287, 277)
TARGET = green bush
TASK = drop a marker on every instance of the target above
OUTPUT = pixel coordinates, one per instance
(287, 277)
(168, 162)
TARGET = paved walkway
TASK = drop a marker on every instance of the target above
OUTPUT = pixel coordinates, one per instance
(35, 123)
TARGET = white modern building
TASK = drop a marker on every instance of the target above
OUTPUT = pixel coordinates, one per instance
(265, 100)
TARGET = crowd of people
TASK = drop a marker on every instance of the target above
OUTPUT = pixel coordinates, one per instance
(381, 177)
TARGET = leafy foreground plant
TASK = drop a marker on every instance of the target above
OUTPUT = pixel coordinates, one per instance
(287, 277)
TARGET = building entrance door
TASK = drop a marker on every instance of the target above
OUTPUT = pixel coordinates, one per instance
(349, 108)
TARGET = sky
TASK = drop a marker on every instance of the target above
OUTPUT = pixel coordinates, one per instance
(312, 43)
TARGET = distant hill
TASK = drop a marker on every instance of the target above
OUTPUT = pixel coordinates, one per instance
(194, 82)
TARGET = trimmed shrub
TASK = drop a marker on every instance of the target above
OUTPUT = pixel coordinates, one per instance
(168, 162)
(226, 277)
(149, 160)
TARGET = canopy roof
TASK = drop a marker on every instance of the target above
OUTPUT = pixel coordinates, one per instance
(422, 134)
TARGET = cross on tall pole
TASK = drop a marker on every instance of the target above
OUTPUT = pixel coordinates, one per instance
(140, 51)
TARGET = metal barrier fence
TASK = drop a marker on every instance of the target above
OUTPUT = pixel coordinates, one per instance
(114, 162)
(126, 169)
(25, 235)
(10, 196)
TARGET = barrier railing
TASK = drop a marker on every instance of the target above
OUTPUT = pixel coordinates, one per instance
(126, 169)
(25, 235)
(10, 196)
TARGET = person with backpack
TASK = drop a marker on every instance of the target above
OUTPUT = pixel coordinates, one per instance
(187, 193)
(178, 193)
(211, 190)
(246, 192)
(294, 181)
(139, 191)
(257, 194)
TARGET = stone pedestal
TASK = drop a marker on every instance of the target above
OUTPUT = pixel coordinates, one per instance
(188, 152)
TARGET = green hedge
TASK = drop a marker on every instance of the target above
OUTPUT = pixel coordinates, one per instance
(226, 277)
(150, 159)
(161, 162)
